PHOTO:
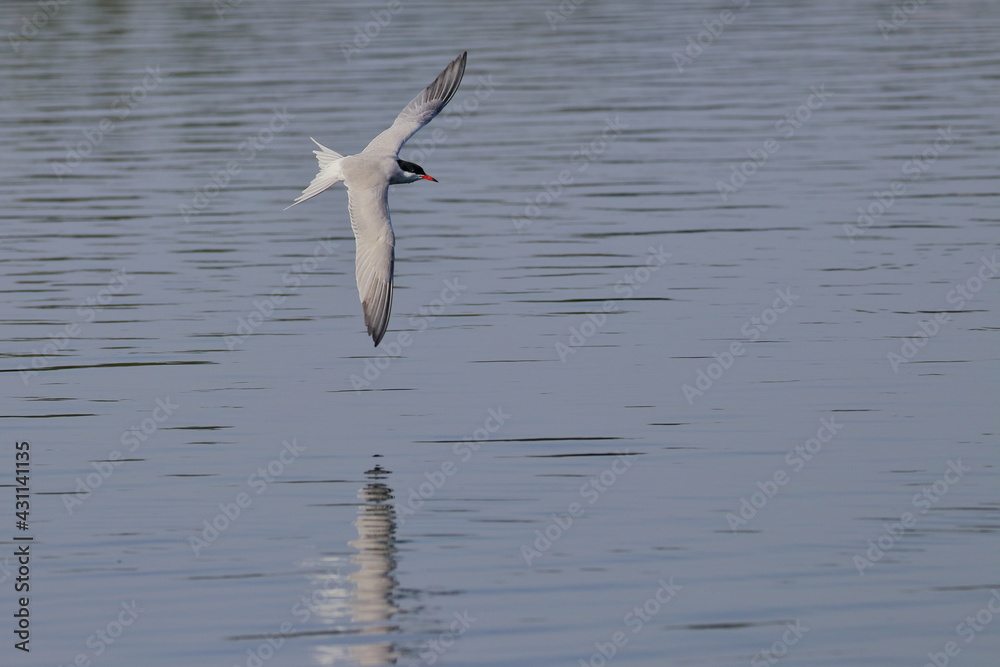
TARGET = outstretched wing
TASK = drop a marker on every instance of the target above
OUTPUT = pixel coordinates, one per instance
(420, 110)
(369, 209)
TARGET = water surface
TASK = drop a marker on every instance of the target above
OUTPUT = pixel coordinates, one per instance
(692, 358)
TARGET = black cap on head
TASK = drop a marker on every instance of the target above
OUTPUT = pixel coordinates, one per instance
(411, 167)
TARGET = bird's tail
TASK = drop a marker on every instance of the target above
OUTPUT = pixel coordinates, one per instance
(329, 173)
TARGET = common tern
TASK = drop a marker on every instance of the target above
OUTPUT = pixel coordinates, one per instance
(367, 176)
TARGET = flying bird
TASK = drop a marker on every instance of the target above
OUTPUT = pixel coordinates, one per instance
(367, 176)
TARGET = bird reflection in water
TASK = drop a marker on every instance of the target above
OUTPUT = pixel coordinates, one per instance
(368, 601)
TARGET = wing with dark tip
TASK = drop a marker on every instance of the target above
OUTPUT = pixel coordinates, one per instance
(369, 208)
(420, 110)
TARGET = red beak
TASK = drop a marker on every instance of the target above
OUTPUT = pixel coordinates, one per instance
(429, 178)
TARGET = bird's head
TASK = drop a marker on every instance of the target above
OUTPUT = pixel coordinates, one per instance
(413, 172)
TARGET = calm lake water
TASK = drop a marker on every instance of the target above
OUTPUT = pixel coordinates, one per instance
(693, 356)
